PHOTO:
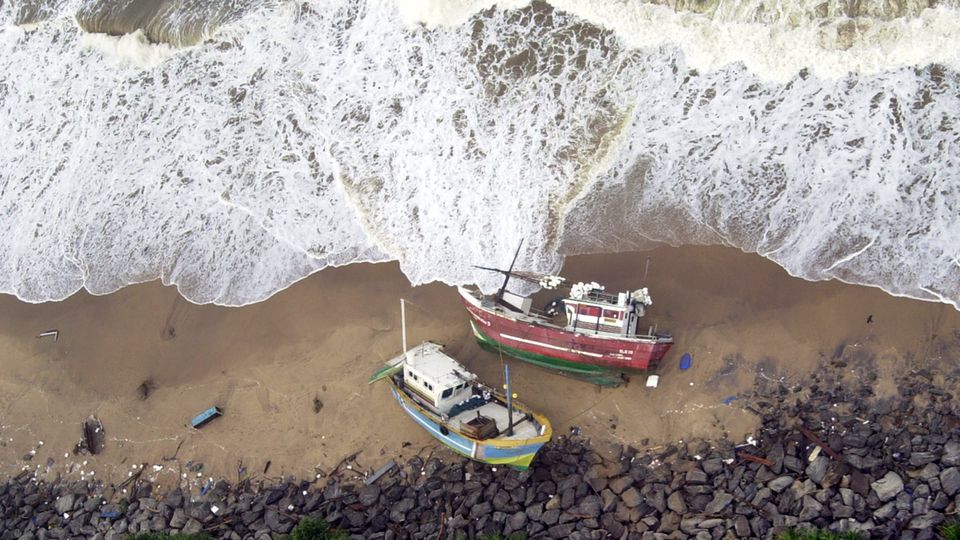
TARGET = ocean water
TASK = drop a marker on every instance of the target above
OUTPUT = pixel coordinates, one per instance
(233, 147)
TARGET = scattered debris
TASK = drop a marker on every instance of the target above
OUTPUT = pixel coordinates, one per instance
(728, 400)
(816, 440)
(317, 404)
(653, 381)
(50, 333)
(94, 437)
(380, 472)
(755, 459)
(686, 361)
(206, 416)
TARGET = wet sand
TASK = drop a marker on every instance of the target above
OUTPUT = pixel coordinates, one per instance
(740, 316)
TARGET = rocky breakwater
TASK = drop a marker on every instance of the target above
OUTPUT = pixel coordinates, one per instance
(829, 455)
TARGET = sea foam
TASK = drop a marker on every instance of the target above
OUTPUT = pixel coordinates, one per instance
(324, 133)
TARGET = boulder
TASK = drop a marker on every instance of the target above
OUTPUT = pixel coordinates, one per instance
(888, 487)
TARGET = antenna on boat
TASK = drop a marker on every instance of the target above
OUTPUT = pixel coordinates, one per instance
(506, 275)
(403, 325)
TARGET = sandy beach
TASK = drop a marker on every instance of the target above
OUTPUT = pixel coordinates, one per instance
(266, 365)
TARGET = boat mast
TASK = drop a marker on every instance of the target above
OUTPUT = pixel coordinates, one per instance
(506, 275)
(506, 375)
(403, 326)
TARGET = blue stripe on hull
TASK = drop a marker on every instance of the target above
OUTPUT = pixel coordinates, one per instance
(456, 442)
(461, 444)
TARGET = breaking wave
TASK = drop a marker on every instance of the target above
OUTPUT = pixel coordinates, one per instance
(234, 147)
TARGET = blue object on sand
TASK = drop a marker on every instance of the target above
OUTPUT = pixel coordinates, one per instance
(686, 361)
(206, 416)
(728, 400)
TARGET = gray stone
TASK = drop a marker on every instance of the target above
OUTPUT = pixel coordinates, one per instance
(65, 503)
(930, 470)
(631, 497)
(951, 454)
(275, 522)
(927, 521)
(696, 476)
(741, 526)
(780, 483)
(817, 469)
(888, 487)
(192, 527)
(479, 510)
(550, 517)
(811, 509)
(950, 480)
(676, 503)
(561, 531)
(918, 459)
(590, 506)
(369, 495)
(619, 485)
(886, 511)
(179, 519)
(517, 521)
(720, 501)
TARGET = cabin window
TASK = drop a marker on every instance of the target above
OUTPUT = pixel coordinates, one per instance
(612, 314)
(446, 393)
(589, 311)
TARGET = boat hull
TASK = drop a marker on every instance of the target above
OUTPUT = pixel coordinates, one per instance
(516, 454)
(599, 359)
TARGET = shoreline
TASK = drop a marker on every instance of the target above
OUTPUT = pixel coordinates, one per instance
(739, 315)
(839, 458)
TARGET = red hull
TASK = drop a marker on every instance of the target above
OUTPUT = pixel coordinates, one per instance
(530, 336)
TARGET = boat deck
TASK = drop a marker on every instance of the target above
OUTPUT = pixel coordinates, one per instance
(526, 429)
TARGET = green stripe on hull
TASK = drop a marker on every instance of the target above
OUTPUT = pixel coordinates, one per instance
(585, 372)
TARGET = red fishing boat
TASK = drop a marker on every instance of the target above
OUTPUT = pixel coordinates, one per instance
(589, 333)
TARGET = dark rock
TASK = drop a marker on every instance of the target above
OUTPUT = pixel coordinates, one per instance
(720, 501)
(517, 521)
(696, 476)
(860, 483)
(179, 519)
(631, 497)
(918, 459)
(817, 468)
(951, 454)
(793, 463)
(590, 506)
(676, 503)
(65, 503)
(950, 481)
(927, 521)
(275, 522)
(620, 484)
(779, 484)
(561, 531)
(741, 526)
(369, 495)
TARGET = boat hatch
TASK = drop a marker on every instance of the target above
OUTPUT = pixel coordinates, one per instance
(480, 428)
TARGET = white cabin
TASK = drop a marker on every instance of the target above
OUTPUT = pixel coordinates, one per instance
(590, 310)
(436, 379)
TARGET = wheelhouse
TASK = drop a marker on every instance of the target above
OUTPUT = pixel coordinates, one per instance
(438, 381)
